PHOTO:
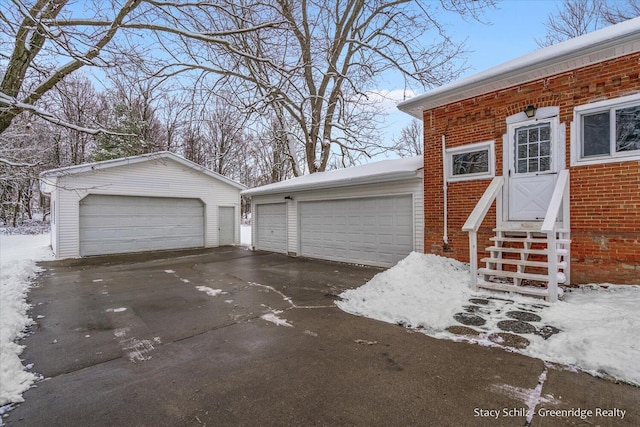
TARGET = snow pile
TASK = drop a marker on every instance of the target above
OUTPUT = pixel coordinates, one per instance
(598, 323)
(18, 254)
(401, 294)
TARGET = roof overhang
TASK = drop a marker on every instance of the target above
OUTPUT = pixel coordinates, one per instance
(48, 178)
(608, 43)
(371, 173)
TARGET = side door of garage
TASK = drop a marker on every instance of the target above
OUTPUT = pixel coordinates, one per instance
(226, 225)
(271, 227)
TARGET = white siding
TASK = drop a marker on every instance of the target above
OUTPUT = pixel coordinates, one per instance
(154, 178)
(413, 187)
(53, 218)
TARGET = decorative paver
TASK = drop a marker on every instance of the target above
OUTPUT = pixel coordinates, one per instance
(505, 320)
(509, 340)
(547, 331)
(524, 316)
(516, 326)
(462, 330)
(501, 299)
(469, 319)
(474, 309)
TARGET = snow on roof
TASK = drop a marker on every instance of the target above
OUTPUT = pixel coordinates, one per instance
(607, 43)
(385, 170)
(86, 167)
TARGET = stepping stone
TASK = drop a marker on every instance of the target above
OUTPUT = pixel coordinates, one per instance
(462, 330)
(474, 309)
(469, 319)
(481, 301)
(517, 326)
(509, 340)
(524, 316)
(547, 331)
(501, 299)
(539, 306)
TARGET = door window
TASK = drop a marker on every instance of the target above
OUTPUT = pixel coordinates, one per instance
(533, 148)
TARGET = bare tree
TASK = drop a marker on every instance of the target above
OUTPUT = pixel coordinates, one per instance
(574, 18)
(313, 71)
(47, 40)
(621, 10)
(74, 100)
(410, 141)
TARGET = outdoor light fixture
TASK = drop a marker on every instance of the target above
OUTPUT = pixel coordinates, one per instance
(530, 111)
(288, 198)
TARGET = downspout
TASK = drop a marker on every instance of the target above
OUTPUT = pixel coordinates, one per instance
(445, 238)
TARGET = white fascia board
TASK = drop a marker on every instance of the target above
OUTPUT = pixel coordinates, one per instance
(295, 187)
(48, 175)
(608, 43)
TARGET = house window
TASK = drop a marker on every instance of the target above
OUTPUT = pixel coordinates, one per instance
(607, 131)
(473, 161)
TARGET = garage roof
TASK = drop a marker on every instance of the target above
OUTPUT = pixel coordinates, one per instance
(382, 171)
(161, 155)
(611, 42)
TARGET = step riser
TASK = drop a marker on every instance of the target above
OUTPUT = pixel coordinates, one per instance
(520, 256)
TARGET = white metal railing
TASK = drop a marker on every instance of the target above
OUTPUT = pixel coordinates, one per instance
(559, 199)
(475, 220)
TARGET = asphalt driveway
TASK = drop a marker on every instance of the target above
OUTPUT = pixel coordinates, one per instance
(232, 337)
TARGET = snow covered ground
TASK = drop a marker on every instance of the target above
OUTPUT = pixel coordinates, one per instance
(18, 254)
(245, 235)
(598, 324)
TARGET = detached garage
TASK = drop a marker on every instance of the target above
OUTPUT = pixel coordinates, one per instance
(370, 214)
(157, 201)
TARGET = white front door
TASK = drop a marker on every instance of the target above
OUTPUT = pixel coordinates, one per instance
(532, 161)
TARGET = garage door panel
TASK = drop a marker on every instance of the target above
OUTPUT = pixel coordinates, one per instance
(124, 224)
(373, 231)
(271, 227)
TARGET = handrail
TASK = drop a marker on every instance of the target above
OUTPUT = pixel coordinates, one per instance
(475, 220)
(557, 197)
(482, 207)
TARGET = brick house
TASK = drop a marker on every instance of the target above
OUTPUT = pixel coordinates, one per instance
(532, 168)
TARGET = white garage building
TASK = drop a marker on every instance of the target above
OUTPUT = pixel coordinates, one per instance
(157, 201)
(370, 214)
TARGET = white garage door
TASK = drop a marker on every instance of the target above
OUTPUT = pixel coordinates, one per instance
(271, 227)
(122, 224)
(372, 231)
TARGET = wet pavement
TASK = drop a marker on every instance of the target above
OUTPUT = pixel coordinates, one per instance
(232, 337)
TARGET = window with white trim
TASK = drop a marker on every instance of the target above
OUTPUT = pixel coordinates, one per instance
(607, 131)
(473, 161)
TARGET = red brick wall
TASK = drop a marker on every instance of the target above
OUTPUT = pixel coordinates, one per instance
(605, 198)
